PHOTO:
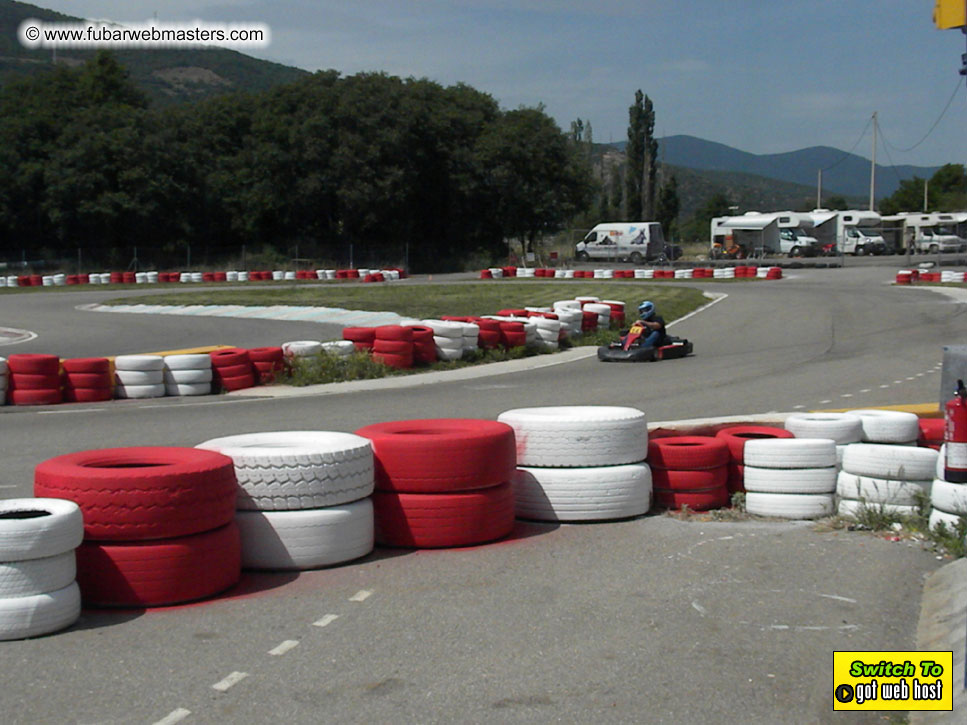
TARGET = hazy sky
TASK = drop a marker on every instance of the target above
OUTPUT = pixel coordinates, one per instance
(761, 75)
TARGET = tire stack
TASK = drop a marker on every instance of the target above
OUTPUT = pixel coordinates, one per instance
(298, 348)
(361, 337)
(890, 478)
(139, 376)
(735, 438)
(442, 483)
(617, 315)
(38, 591)
(948, 500)
(512, 333)
(188, 374)
(580, 463)
(548, 332)
(393, 346)
(791, 478)
(158, 523)
(603, 312)
(303, 497)
(232, 369)
(842, 428)
(268, 363)
(87, 380)
(33, 379)
(447, 338)
(690, 471)
(888, 426)
(489, 335)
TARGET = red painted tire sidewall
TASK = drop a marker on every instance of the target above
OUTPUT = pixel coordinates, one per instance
(34, 381)
(396, 333)
(360, 334)
(88, 395)
(433, 521)
(266, 354)
(238, 382)
(736, 436)
(35, 397)
(233, 371)
(228, 357)
(34, 364)
(677, 480)
(441, 455)
(137, 494)
(87, 365)
(688, 452)
(171, 571)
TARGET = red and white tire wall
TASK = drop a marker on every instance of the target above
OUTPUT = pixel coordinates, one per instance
(690, 471)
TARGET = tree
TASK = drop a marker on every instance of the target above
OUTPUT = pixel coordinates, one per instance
(946, 191)
(642, 163)
(667, 208)
(698, 227)
(837, 203)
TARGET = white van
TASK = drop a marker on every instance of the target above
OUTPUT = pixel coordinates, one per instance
(631, 241)
(934, 233)
(858, 232)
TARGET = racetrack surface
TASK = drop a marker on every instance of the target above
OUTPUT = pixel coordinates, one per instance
(652, 619)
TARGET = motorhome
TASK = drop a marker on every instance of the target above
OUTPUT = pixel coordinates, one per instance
(754, 233)
(858, 232)
(631, 241)
(933, 232)
(824, 229)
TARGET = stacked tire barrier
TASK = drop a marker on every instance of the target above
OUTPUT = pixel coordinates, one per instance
(188, 374)
(38, 591)
(158, 523)
(948, 500)
(740, 271)
(580, 463)
(790, 478)
(447, 338)
(139, 376)
(735, 438)
(888, 426)
(690, 471)
(393, 346)
(891, 478)
(442, 483)
(87, 380)
(268, 362)
(33, 379)
(842, 428)
(303, 497)
(232, 369)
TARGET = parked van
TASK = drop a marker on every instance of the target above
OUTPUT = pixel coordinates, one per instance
(858, 232)
(795, 238)
(755, 233)
(614, 241)
(934, 232)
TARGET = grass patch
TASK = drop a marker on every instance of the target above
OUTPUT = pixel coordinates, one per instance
(432, 300)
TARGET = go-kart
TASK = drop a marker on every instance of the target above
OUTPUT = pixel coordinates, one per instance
(631, 348)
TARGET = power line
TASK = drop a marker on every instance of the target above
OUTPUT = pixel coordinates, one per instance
(846, 154)
(953, 95)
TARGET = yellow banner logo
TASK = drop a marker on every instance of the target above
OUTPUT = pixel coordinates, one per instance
(893, 680)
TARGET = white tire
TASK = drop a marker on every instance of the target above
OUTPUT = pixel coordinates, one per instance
(888, 426)
(948, 519)
(790, 453)
(3, 366)
(790, 505)
(566, 305)
(449, 354)
(288, 470)
(949, 497)
(301, 348)
(340, 348)
(36, 528)
(881, 490)
(140, 391)
(187, 389)
(139, 362)
(547, 324)
(841, 427)
(578, 436)
(287, 540)
(445, 328)
(855, 509)
(448, 343)
(548, 336)
(188, 362)
(582, 494)
(139, 377)
(37, 576)
(794, 480)
(22, 617)
(188, 376)
(902, 463)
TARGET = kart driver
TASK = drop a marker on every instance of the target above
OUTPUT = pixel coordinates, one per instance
(653, 322)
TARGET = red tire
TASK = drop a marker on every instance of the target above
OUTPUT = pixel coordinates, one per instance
(133, 494)
(393, 347)
(695, 500)
(735, 437)
(266, 354)
(736, 482)
(931, 432)
(489, 339)
(424, 352)
(359, 334)
(422, 334)
(393, 332)
(88, 395)
(688, 452)
(690, 480)
(34, 397)
(30, 381)
(34, 364)
(513, 313)
(229, 356)
(87, 365)
(88, 380)
(172, 571)
(442, 455)
(239, 382)
(401, 362)
(429, 521)
(232, 371)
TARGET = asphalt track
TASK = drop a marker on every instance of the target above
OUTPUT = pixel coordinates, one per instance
(653, 619)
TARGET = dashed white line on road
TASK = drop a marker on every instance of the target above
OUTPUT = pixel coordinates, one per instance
(230, 681)
(72, 410)
(865, 390)
(174, 716)
(361, 596)
(846, 395)
(883, 387)
(284, 647)
(326, 621)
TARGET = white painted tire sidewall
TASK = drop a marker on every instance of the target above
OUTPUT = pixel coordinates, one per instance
(841, 427)
(901, 463)
(582, 494)
(790, 453)
(855, 509)
(37, 576)
(881, 490)
(949, 497)
(794, 480)
(790, 505)
(59, 531)
(22, 617)
(888, 426)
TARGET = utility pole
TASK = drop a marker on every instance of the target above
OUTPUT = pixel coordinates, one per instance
(873, 164)
(819, 191)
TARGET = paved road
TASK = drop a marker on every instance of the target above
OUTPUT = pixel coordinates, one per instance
(653, 619)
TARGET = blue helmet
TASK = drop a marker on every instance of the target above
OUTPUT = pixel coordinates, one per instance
(646, 309)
